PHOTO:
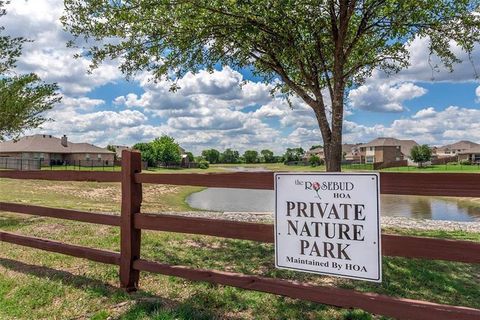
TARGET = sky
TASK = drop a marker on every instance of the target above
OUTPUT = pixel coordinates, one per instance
(212, 110)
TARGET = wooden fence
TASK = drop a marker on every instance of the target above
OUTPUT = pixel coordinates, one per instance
(132, 221)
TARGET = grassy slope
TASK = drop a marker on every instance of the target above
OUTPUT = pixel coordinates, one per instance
(41, 285)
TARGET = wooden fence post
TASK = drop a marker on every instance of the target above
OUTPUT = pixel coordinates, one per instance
(129, 236)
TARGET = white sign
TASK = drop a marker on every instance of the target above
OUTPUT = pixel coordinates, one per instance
(329, 223)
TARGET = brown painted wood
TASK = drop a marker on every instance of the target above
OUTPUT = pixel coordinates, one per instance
(371, 302)
(130, 237)
(430, 248)
(392, 245)
(244, 180)
(75, 215)
(205, 226)
(430, 184)
(63, 175)
(104, 256)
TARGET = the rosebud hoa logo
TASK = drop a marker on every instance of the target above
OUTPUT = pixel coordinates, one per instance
(315, 186)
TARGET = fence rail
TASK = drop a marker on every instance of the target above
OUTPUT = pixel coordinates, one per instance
(132, 221)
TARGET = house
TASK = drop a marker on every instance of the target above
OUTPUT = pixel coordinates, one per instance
(452, 150)
(386, 150)
(118, 150)
(52, 150)
(351, 152)
(315, 151)
(472, 155)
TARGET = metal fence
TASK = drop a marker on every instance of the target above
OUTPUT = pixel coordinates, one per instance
(81, 165)
(19, 164)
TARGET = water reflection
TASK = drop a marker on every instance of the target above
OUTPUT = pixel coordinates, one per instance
(419, 207)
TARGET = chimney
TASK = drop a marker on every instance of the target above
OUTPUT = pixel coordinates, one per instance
(64, 141)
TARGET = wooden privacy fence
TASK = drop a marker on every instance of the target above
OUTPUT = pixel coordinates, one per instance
(132, 221)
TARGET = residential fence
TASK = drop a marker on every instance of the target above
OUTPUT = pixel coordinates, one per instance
(444, 160)
(19, 164)
(132, 222)
(390, 164)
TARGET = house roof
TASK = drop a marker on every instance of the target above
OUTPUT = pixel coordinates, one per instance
(460, 145)
(48, 144)
(318, 150)
(405, 145)
(471, 150)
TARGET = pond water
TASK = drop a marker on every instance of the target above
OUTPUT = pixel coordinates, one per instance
(245, 200)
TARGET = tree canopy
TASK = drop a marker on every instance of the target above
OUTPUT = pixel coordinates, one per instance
(316, 48)
(164, 150)
(251, 156)
(421, 154)
(268, 156)
(23, 98)
(230, 156)
(211, 155)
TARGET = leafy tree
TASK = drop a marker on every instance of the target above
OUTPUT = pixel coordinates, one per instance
(251, 156)
(113, 149)
(421, 154)
(230, 156)
(315, 160)
(315, 146)
(166, 150)
(268, 156)
(23, 98)
(148, 154)
(190, 156)
(319, 49)
(293, 154)
(211, 155)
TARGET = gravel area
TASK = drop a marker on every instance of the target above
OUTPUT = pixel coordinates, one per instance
(397, 222)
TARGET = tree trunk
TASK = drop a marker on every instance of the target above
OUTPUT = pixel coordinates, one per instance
(333, 156)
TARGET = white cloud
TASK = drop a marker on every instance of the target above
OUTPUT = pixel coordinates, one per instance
(425, 113)
(384, 97)
(427, 126)
(48, 55)
(477, 93)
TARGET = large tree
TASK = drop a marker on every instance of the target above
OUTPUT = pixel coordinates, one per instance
(23, 98)
(318, 49)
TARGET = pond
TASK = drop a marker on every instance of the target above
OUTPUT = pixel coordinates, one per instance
(419, 207)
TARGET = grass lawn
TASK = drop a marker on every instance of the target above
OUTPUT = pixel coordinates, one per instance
(439, 168)
(281, 167)
(39, 285)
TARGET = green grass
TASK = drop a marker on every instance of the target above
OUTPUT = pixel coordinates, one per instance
(439, 168)
(40, 285)
(281, 167)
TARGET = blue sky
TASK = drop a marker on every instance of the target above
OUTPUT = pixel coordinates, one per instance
(211, 110)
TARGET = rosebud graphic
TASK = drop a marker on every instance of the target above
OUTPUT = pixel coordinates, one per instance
(316, 187)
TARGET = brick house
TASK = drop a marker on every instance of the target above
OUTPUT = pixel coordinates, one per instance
(454, 149)
(52, 150)
(386, 150)
(472, 155)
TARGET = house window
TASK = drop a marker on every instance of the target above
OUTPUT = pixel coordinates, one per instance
(99, 157)
(397, 158)
(42, 156)
(87, 156)
(398, 147)
(371, 148)
(369, 159)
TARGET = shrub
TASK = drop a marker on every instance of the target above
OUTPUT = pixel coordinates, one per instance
(465, 162)
(204, 164)
(315, 160)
